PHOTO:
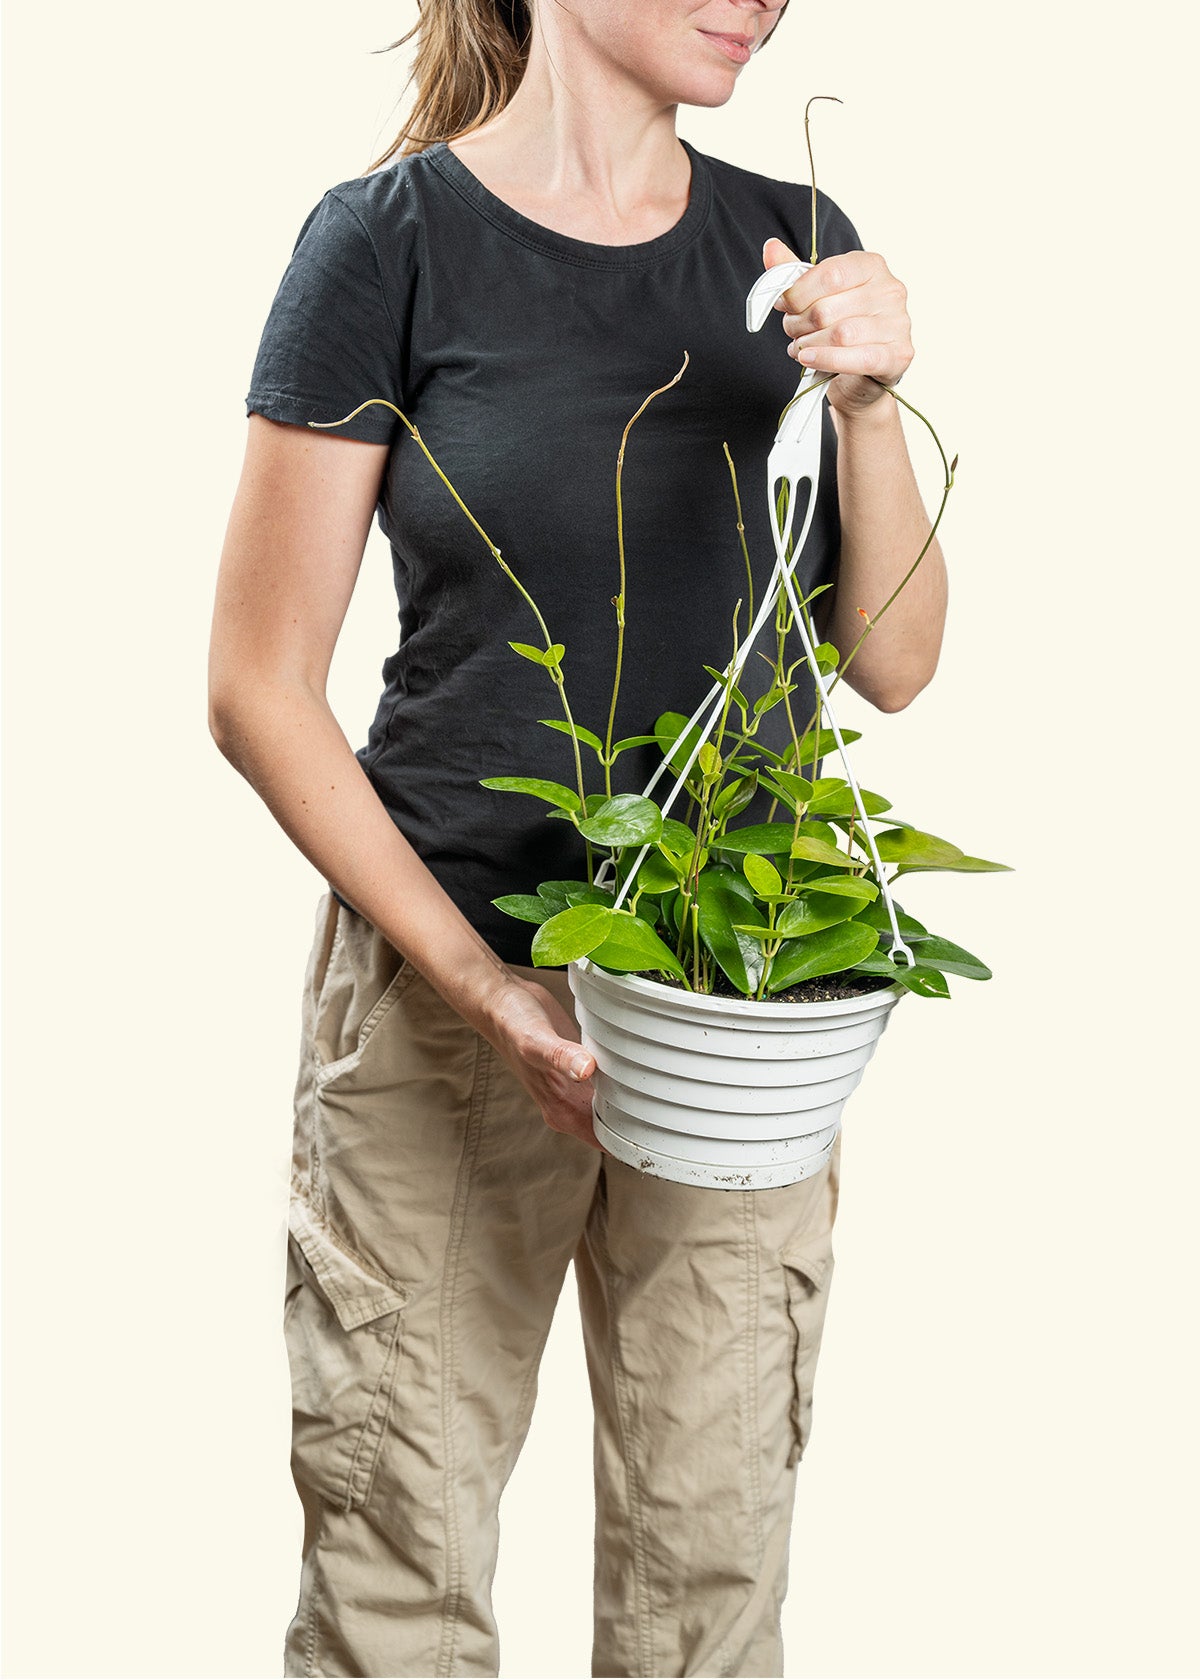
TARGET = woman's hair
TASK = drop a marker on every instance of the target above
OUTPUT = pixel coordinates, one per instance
(470, 58)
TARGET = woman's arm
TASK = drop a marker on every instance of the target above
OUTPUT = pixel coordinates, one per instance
(292, 552)
(884, 527)
(848, 316)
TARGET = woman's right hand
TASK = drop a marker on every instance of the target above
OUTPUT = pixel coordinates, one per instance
(537, 1038)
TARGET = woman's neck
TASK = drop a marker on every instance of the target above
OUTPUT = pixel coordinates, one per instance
(602, 156)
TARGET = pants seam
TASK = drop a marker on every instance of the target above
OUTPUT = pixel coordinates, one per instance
(750, 1336)
(750, 1332)
(641, 1569)
(458, 1213)
(310, 1640)
(530, 1379)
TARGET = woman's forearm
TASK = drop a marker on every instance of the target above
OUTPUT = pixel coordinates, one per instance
(884, 525)
(286, 742)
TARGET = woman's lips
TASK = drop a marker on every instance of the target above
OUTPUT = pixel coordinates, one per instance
(730, 46)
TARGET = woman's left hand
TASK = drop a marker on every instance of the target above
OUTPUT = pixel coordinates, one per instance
(846, 315)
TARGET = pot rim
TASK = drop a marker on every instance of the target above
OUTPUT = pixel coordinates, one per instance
(655, 991)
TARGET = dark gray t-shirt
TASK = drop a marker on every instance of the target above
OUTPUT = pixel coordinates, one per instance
(520, 354)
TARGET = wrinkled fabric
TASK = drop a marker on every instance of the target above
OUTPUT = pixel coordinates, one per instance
(432, 1218)
(521, 355)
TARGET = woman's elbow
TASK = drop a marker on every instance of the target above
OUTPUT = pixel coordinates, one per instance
(894, 692)
(896, 699)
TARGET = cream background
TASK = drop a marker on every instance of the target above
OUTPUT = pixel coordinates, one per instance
(1002, 1476)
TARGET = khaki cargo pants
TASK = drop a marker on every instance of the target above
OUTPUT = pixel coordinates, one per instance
(433, 1215)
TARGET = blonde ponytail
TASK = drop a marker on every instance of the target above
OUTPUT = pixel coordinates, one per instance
(471, 55)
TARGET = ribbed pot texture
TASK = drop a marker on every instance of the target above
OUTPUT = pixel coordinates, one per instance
(725, 1092)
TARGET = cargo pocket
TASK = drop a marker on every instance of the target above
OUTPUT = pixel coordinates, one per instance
(343, 1326)
(808, 1269)
(362, 976)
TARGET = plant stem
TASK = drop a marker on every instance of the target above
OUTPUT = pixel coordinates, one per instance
(741, 529)
(619, 598)
(812, 168)
(555, 673)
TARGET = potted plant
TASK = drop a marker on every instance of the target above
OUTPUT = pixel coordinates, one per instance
(732, 980)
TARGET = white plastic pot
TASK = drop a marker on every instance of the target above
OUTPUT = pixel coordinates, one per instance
(726, 1092)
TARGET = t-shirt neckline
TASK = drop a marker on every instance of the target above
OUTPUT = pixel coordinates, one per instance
(562, 245)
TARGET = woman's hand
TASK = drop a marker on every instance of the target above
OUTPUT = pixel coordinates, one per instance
(538, 1039)
(846, 315)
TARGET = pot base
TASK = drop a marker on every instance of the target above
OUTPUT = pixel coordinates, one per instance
(731, 1094)
(710, 1175)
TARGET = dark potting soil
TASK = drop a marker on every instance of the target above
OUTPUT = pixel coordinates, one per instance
(826, 988)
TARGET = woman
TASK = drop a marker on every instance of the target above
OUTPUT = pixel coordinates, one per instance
(530, 260)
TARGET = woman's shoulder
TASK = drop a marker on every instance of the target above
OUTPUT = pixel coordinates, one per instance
(787, 200)
(384, 200)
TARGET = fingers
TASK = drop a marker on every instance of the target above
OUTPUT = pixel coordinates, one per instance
(848, 314)
(822, 314)
(825, 279)
(564, 1090)
(553, 1067)
(566, 1057)
(884, 362)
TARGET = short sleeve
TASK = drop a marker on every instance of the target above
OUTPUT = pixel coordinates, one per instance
(836, 233)
(330, 342)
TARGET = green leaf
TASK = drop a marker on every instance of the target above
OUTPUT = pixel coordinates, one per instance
(949, 958)
(624, 820)
(555, 893)
(796, 789)
(964, 866)
(548, 657)
(632, 946)
(737, 954)
(735, 797)
(535, 654)
(817, 850)
(759, 837)
(834, 797)
(823, 742)
(585, 735)
(766, 702)
(676, 746)
(672, 909)
(925, 982)
(813, 911)
(875, 915)
(590, 895)
(721, 678)
(570, 934)
(526, 907)
(827, 658)
(553, 792)
(876, 962)
(677, 838)
(771, 781)
(827, 952)
(709, 760)
(634, 741)
(852, 886)
(656, 875)
(724, 875)
(762, 876)
(762, 751)
(913, 846)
